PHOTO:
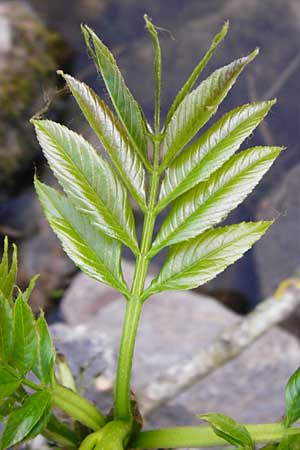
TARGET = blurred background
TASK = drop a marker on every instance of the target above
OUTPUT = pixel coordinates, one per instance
(38, 37)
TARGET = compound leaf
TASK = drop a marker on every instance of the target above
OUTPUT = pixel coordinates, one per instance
(198, 106)
(89, 180)
(200, 259)
(6, 329)
(229, 430)
(199, 160)
(9, 381)
(93, 252)
(197, 71)
(25, 339)
(292, 399)
(211, 201)
(43, 367)
(22, 421)
(125, 105)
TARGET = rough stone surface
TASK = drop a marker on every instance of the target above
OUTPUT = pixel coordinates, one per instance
(90, 356)
(278, 257)
(173, 327)
(85, 296)
(29, 55)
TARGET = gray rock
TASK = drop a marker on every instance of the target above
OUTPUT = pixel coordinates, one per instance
(175, 326)
(90, 357)
(278, 257)
(85, 296)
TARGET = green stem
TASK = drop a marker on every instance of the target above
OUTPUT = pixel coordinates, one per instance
(182, 437)
(32, 385)
(77, 407)
(122, 409)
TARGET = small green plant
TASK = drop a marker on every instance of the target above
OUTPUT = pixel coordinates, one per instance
(202, 181)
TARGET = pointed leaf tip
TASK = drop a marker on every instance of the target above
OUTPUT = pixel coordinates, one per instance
(229, 430)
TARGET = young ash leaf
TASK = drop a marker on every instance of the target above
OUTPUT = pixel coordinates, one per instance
(230, 430)
(8, 274)
(211, 150)
(200, 259)
(9, 381)
(210, 202)
(43, 367)
(27, 293)
(25, 340)
(112, 137)
(123, 101)
(6, 329)
(93, 252)
(292, 399)
(198, 107)
(22, 421)
(89, 180)
(188, 85)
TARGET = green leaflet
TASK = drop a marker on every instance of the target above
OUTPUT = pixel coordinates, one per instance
(8, 274)
(292, 399)
(289, 443)
(9, 381)
(211, 201)
(157, 70)
(230, 430)
(198, 106)
(43, 367)
(25, 340)
(93, 252)
(27, 293)
(22, 421)
(89, 180)
(198, 161)
(197, 261)
(112, 137)
(125, 105)
(197, 71)
(6, 329)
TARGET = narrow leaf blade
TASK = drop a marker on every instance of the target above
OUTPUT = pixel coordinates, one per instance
(200, 259)
(199, 160)
(198, 107)
(197, 71)
(123, 101)
(43, 367)
(93, 252)
(229, 430)
(6, 329)
(25, 337)
(89, 180)
(210, 202)
(23, 420)
(292, 399)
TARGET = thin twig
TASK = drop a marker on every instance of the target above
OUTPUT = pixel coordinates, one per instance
(232, 341)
